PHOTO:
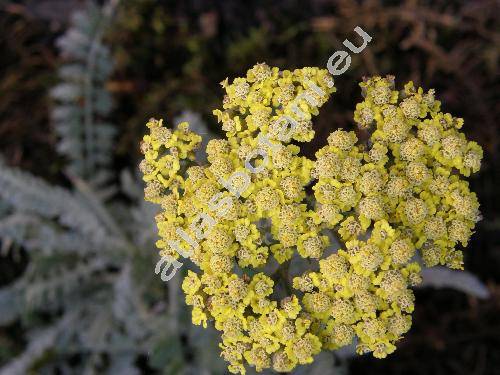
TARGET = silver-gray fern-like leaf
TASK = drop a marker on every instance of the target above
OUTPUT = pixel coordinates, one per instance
(81, 101)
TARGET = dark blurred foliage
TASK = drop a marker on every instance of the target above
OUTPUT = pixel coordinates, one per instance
(171, 55)
(27, 63)
(26, 73)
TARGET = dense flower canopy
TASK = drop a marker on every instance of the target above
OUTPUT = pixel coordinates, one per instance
(311, 255)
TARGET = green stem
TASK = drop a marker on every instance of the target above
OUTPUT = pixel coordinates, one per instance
(285, 277)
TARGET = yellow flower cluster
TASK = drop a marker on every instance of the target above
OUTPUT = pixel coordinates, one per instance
(249, 215)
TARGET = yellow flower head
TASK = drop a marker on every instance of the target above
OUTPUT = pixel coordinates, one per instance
(348, 222)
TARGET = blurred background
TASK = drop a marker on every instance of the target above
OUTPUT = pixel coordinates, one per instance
(78, 81)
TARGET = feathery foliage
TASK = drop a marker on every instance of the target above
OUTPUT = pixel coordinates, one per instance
(82, 103)
(89, 290)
